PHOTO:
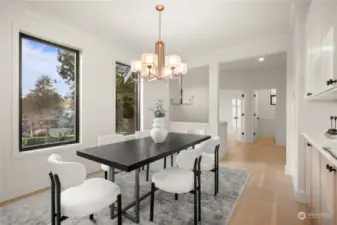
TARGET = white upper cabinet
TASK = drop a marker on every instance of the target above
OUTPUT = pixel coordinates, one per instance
(321, 27)
(329, 16)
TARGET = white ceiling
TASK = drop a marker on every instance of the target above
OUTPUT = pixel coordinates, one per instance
(188, 25)
(274, 62)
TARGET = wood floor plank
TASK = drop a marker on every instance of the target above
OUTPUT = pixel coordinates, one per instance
(268, 198)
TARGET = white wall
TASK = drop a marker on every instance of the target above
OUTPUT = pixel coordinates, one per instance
(195, 83)
(21, 173)
(151, 93)
(265, 109)
(258, 80)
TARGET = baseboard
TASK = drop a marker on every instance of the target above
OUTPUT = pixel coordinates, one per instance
(287, 170)
(301, 197)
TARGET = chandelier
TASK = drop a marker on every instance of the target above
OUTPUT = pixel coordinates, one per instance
(158, 66)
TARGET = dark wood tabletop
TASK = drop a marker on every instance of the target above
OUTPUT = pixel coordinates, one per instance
(133, 154)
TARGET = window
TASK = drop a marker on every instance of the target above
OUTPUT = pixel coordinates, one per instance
(127, 100)
(272, 96)
(49, 94)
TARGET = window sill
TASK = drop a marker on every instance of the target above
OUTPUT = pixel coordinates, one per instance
(47, 151)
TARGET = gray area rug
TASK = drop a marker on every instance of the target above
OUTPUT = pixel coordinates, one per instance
(215, 210)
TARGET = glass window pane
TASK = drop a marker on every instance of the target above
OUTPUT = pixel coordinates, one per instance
(127, 101)
(49, 94)
(234, 116)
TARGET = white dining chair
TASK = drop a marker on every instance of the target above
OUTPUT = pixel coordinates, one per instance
(129, 137)
(143, 133)
(195, 131)
(210, 161)
(74, 196)
(184, 178)
(106, 140)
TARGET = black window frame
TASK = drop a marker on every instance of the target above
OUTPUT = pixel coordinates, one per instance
(77, 96)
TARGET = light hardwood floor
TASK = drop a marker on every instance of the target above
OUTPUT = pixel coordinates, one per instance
(268, 198)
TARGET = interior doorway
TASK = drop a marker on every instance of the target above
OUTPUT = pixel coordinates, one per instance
(232, 111)
(264, 114)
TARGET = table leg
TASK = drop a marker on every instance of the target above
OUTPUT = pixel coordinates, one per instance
(112, 178)
(137, 196)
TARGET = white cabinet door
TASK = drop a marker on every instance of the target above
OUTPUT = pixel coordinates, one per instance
(314, 79)
(329, 17)
(320, 84)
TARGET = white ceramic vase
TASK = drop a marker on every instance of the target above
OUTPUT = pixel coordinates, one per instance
(159, 132)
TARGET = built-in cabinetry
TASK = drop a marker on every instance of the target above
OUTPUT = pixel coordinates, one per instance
(321, 186)
(321, 60)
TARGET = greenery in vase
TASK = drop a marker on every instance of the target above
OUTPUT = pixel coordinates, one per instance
(159, 111)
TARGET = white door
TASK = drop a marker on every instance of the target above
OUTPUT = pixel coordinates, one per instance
(231, 106)
(255, 109)
(238, 104)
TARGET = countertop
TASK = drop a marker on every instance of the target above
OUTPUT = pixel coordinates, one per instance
(328, 147)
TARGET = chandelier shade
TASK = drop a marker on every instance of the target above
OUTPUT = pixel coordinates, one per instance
(158, 66)
(173, 60)
(149, 59)
(136, 66)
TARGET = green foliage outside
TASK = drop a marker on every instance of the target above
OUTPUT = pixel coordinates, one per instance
(125, 102)
(44, 108)
(46, 140)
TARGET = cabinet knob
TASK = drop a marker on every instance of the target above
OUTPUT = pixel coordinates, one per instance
(331, 81)
(331, 168)
(309, 145)
(309, 94)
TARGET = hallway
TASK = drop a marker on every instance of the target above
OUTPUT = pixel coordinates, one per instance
(268, 198)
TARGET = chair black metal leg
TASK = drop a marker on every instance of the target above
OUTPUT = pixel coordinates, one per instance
(147, 172)
(58, 199)
(176, 196)
(91, 216)
(215, 182)
(165, 163)
(153, 187)
(52, 198)
(195, 205)
(106, 175)
(217, 171)
(172, 160)
(199, 196)
(119, 202)
(112, 178)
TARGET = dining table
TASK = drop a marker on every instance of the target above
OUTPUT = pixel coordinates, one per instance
(131, 155)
